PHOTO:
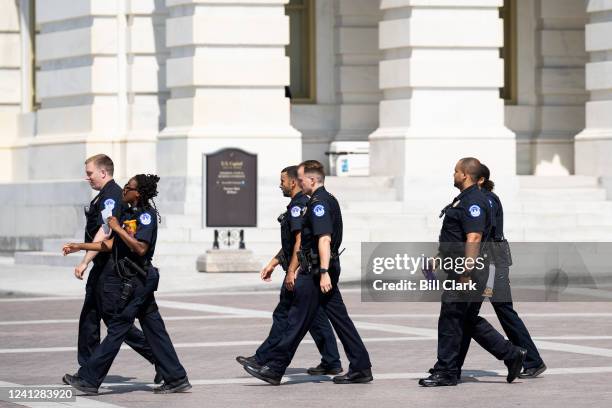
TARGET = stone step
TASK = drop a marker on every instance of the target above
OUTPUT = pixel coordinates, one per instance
(334, 183)
(544, 182)
(558, 206)
(563, 194)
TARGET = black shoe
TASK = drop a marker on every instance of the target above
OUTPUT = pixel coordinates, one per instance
(533, 372)
(166, 388)
(431, 371)
(248, 361)
(65, 377)
(438, 380)
(323, 370)
(515, 364)
(264, 373)
(355, 377)
(80, 384)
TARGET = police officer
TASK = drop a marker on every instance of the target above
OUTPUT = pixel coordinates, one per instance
(466, 225)
(321, 331)
(128, 282)
(510, 321)
(99, 171)
(316, 286)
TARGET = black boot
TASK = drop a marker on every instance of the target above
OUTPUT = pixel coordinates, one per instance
(515, 364)
(324, 370)
(355, 377)
(264, 373)
(170, 388)
(248, 361)
(80, 384)
(533, 372)
(438, 380)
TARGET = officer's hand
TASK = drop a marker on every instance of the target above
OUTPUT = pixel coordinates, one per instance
(79, 270)
(70, 248)
(266, 273)
(113, 223)
(290, 280)
(325, 283)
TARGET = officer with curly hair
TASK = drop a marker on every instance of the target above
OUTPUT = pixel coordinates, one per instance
(128, 283)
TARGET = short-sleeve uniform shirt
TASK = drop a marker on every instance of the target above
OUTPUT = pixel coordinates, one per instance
(291, 222)
(109, 198)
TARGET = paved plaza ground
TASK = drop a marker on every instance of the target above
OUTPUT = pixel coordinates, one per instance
(211, 327)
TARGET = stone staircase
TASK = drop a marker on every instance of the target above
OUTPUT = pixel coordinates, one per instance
(572, 208)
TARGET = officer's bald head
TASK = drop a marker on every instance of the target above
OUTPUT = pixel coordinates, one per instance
(467, 172)
(471, 167)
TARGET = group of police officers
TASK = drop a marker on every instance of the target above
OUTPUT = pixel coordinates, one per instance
(120, 239)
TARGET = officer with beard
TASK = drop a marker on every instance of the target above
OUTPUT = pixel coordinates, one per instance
(291, 225)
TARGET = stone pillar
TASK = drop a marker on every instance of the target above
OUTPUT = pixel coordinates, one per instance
(357, 60)
(88, 92)
(594, 144)
(10, 80)
(226, 73)
(440, 75)
(560, 85)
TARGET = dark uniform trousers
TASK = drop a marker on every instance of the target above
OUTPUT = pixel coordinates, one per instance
(321, 332)
(119, 322)
(89, 324)
(308, 299)
(459, 322)
(509, 319)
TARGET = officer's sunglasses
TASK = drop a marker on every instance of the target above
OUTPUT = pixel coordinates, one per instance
(128, 188)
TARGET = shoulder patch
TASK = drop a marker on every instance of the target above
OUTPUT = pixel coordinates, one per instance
(319, 210)
(475, 211)
(145, 218)
(109, 203)
(296, 211)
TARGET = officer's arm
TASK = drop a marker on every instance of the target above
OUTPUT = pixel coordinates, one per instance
(293, 264)
(472, 246)
(101, 246)
(276, 259)
(99, 237)
(324, 246)
(138, 247)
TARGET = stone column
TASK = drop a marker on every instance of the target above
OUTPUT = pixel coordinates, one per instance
(594, 144)
(87, 90)
(560, 85)
(10, 80)
(357, 60)
(226, 73)
(440, 75)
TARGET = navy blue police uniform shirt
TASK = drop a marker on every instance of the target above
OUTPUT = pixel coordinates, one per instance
(323, 216)
(146, 231)
(497, 230)
(109, 197)
(468, 213)
(292, 223)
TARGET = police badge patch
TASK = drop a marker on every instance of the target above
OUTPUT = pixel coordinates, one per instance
(109, 203)
(319, 210)
(296, 211)
(145, 219)
(475, 211)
